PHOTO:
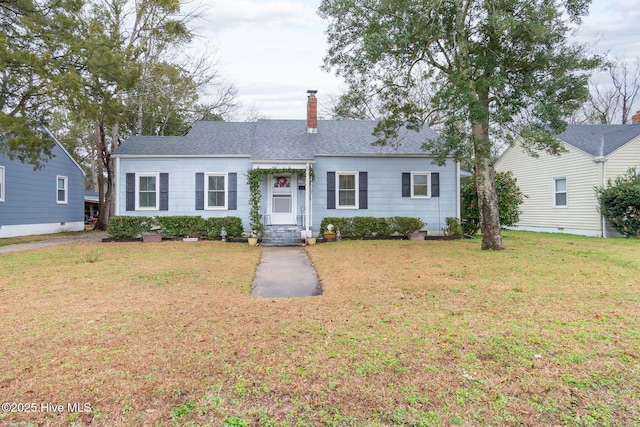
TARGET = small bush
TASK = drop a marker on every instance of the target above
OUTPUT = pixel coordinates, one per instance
(129, 227)
(404, 225)
(509, 200)
(453, 226)
(620, 203)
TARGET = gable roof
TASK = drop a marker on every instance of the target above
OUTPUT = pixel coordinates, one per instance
(275, 140)
(599, 140)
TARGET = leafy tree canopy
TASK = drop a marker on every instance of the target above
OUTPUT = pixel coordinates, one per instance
(498, 69)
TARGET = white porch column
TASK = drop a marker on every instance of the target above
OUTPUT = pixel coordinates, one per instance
(307, 199)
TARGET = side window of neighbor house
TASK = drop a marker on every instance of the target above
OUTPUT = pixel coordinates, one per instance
(347, 194)
(560, 192)
(420, 184)
(147, 193)
(1, 183)
(62, 183)
(216, 190)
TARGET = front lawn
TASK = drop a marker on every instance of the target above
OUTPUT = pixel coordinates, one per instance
(406, 333)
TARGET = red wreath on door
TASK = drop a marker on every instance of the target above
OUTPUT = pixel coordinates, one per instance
(281, 181)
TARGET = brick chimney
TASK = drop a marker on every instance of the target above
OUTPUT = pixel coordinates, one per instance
(312, 112)
(635, 119)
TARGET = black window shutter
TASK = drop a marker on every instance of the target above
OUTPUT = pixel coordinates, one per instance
(131, 192)
(164, 191)
(435, 184)
(200, 191)
(363, 189)
(406, 184)
(331, 190)
(232, 182)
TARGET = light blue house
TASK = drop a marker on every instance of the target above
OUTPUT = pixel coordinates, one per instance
(321, 169)
(47, 200)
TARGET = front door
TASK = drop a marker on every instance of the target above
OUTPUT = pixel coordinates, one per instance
(282, 199)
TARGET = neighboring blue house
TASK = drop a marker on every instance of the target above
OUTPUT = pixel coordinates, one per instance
(205, 173)
(47, 200)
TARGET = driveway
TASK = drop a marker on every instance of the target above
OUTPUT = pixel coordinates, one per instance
(90, 236)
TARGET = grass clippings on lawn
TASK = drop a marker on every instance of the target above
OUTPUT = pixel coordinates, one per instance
(406, 333)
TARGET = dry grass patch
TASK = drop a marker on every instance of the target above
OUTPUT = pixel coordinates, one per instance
(406, 333)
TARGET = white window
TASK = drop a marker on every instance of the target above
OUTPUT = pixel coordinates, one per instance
(62, 189)
(147, 194)
(560, 192)
(215, 187)
(1, 183)
(347, 194)
(421, 185)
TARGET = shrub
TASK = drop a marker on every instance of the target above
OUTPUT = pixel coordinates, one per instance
(620, 203)
(179, 226)
(509, 200)
(404, 225)
(129, 227)
(453, 226)
(174, 226)
(367, 226)
(231, 224)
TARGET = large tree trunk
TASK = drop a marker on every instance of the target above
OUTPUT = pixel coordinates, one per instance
(103, 197)
(486, 187)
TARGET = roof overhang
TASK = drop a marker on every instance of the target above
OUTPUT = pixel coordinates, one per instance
(280, 164)
(181, 156)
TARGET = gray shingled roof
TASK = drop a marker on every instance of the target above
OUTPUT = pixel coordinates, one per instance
(275, 140)
(599, 140)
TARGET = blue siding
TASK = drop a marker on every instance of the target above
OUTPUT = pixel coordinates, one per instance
(182, 184)
(385, 189)
(384, 195)
(31, 195)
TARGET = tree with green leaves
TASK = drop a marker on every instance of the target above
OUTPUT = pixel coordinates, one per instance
(500, 69)
(34, 62)
(620, 203)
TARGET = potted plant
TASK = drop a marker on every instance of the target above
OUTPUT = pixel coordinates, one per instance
(413, 232)
(310, 239)
(152, 236)
(253, 238)
(329, 234)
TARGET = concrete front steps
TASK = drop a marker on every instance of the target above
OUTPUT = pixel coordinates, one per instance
(282, 236)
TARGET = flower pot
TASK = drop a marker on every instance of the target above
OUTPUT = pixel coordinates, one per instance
(253, 241)
(329, 237)
(151, 237)
(311, 240)
(418, 235)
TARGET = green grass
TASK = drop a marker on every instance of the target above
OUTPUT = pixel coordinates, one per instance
(406, 333)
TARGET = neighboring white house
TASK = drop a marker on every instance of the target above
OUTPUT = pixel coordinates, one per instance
(560, 189)
(205, 173)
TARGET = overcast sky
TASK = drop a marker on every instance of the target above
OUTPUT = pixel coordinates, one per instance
(272, 50)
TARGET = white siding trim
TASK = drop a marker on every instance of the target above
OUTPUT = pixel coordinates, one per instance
(2, 184)
(65, 188)
(206, 191)
(147, 174)
(33, 229)
(356, 176)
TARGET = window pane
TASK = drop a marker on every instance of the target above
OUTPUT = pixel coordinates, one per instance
(216, 183)
(61, 195)
(216, 198)
(561, 185)
(60, 183)
(148, 183)
(147, 199)
(561, 199)
(347, 198)
(347, 182)
(420, 190)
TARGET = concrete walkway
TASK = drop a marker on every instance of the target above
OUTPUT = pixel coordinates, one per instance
(93, 236)
(285, 272)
